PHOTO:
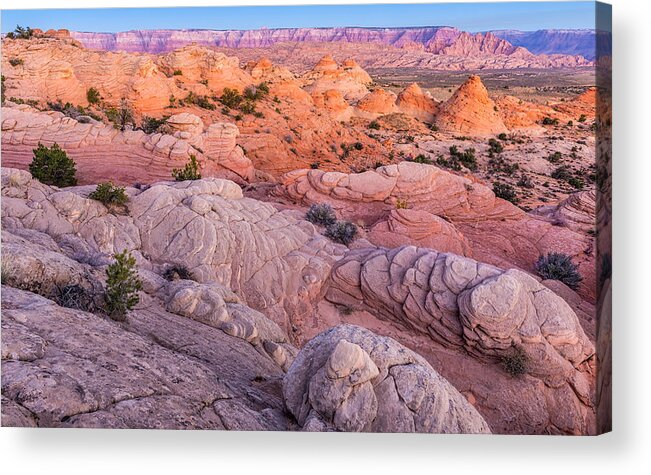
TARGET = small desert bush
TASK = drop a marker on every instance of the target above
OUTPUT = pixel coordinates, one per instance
(559, 266)
(374, 124)
(554, 157)
(321, 214)
(343, 232)
(466, 158)
(177, 72)
(151, 125)
(109, 195)
(189, 172)
(202, 101)
(76, 297)
(401, 204)
(423, 159)
(495, 146)
(16, 62)
(582, 118)
(230, 98)
(506, 192)
(122, 286)
(121, 116)
(93, 96)
(515, 363)
(21, 33)
(52, 166)
(247, 107)
(562, 173)
(177, 272)
(549, 121)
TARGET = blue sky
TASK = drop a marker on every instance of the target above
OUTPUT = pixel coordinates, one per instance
(466, 16)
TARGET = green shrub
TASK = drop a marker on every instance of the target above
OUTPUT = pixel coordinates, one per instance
(525, 181)
(93, 96)
(506, 192)
(189, 172)
(321, 214)
(576, 182)
(452, 164)
(315, 165)
(495, 146)
(466, 158)
(374, 124)
(549, 121)
(177, 72)
(16, 62)
(559, 266)
(121, 117)
(562, 173)
(423, 159)
(109, 195)
(201, 101)
(502, 136)
(53, 167)
(253, 93)
(582, 118)
(554, 157)
(230, 98)
(3, 88)
(21, 33)
(515, 363)
(247, 107)
(342, 232)
(122, 286)
(151, 125)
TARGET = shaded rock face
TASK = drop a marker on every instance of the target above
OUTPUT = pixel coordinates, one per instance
(68, 368)
(349, 379)
(483, 314)
(274, 260)
(470, 110)
(135, 155)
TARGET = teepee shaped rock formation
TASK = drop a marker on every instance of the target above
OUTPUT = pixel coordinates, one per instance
(417, 103)
(470, 111)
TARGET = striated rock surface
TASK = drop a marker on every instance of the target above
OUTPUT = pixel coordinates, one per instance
(68, 368)
(409, 226)
(371, 194)
(470, 110)
(481, 313)
(276, 262)
(349, 379)
(496, 231)
(576, 212)
(134, 155)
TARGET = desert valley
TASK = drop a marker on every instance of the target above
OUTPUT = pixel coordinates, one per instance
(326, 229)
